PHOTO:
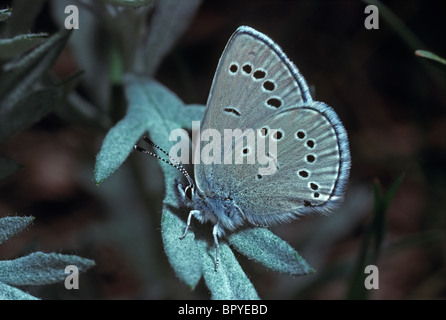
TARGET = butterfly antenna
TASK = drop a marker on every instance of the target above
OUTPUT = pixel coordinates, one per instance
(172, 162)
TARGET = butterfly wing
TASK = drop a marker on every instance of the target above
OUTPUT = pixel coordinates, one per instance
(253, 80)
(256, 86)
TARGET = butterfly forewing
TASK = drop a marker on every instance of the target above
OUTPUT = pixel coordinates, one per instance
(254, 79)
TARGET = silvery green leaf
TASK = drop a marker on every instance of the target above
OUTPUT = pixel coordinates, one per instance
(150, 108)
(261, 245)
(10, 226)
(145, 98)
(191, 112)
(183, 255)
(11, 293)
(229, 282)
(40, 268)
(9, 48)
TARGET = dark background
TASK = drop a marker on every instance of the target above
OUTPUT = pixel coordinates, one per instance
(392, 104)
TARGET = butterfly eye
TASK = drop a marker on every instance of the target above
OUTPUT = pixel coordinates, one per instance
(189, 191)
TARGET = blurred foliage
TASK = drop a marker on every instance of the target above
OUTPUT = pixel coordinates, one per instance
(23, 102)
(69, 96)
(432, 57)
(372, 238)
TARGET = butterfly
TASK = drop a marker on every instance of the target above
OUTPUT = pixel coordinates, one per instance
(257, 89)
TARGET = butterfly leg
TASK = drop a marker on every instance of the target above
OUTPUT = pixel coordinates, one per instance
(217, 247)
(191, 213)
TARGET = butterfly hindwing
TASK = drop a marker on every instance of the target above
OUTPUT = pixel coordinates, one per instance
(311, 161)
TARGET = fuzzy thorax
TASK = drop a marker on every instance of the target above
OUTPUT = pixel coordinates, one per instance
(221, 211)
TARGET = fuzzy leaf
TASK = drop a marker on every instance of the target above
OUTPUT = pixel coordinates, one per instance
(10, 226)
(170, 20)
(183, 255)
(150, 106)
(11, 293)
(40, 268)
(261, 245)
(144, 100)
(19, 76)
(10, 48)
(8, 167)
(229, 282)
(192, 112)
